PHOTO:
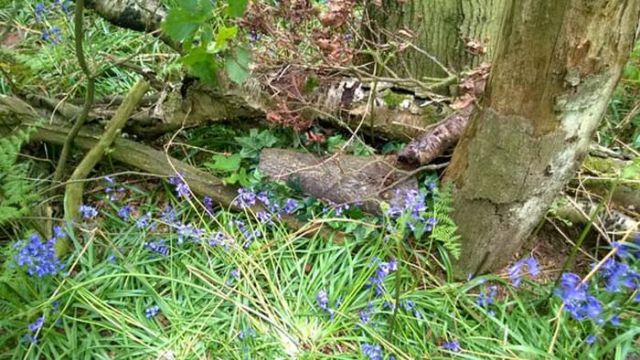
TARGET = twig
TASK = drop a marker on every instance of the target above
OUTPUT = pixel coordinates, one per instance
(88, 103)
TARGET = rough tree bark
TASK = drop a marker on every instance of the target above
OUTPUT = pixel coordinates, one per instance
(456, 32)
(555, 68)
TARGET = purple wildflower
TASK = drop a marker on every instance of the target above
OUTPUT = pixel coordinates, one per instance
(37, 256)
(159, 247)
(382, 271)
(188, 232)
(143, 221)
(372, 351)
(290, 206)
(182, 188)
(125, 211)
(88, 212)
(41, 10)
(590, 339)
(615, 320)
(208, 203)
(264, 217)
(532, 266)
(245, 198)
(36, 325)
(235, 273)
(452, 345)
(485, 299)
(151, 311)
(366, 314)
(515, 273)
(322, 299)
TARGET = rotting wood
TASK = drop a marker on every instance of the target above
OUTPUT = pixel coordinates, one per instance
(342, 179)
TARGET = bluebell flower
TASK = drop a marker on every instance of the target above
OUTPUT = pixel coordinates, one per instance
(40, 10)
(58, 233)
(338, 210)
(532, 266)
(235, 273)
(372, 351)
(515, 273)
(188, 232)
(247, 233)
(151, 311)
(615, 320)
(182, 188)
(36, 325)
(168, 215)
(125, 211)
(245, 198)
(617, 275)
(37, 256)
(143, 221)
(382, 271)
(452, 345)
(263, 197)
(220, 239)
(88, 212)
(159, 247)
(366, 314)
(485, 299)
(590, 339)
(264, 217)
(322, 299)
(208, 203)
(290, 206)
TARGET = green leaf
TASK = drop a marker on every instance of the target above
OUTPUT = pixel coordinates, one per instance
(224, 35)
(237, 7)
(184, 20)
(237, 65)
(225, 163)
(202, 64)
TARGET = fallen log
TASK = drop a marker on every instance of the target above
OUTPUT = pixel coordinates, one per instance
(341, 179)
(14, 113)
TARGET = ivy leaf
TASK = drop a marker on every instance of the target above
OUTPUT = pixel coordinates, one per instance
(237, 65)
(202, 64)
(225, 163)
(237, 7)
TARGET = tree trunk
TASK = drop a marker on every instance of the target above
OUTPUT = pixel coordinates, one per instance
(442, 28)
(555, 69)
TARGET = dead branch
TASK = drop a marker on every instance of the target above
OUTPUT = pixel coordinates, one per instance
(75, 187)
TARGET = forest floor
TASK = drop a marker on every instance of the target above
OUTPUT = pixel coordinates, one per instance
(159, 273)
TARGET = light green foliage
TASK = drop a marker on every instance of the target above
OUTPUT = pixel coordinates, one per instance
(445, 229)
(210, 43)
(229, 167)
(17, 192)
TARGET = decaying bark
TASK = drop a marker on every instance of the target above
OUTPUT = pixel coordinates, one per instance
(553, 74)
(342, 179)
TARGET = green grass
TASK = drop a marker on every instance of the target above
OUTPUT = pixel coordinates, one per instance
(204, 309)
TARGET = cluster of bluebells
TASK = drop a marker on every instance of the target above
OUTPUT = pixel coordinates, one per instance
(372, 351)
(517, 270)
(247, 198)
(615, 276)
(34, 328)
(413, 204)
(39, 257)
(383, 269)
(322, 299)
(45, 14)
